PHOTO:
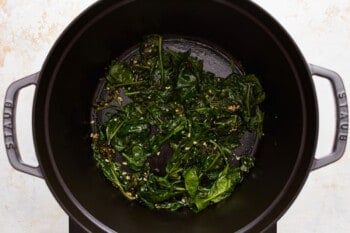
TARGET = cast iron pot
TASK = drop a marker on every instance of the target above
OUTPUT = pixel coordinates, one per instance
(67, 82)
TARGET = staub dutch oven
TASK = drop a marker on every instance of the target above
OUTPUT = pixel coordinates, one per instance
(67, 82)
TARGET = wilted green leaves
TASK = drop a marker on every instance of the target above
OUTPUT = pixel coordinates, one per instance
(176, 105)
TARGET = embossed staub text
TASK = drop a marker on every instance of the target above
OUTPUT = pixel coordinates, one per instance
(343, 116)
(8, 125)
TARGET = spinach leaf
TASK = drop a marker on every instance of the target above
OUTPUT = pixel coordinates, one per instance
(221, 188)
(119, 74)
(191, 181)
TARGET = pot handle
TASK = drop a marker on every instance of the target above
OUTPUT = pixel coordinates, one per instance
(9, 125)
(342, 121)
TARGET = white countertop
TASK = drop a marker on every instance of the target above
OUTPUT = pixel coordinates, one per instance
(29, 28)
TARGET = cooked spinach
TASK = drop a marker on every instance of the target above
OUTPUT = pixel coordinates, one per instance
(172, 127)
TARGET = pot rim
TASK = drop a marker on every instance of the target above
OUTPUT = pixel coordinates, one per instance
(251, 10)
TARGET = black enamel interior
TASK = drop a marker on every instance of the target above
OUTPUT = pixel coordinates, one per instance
(69, 79)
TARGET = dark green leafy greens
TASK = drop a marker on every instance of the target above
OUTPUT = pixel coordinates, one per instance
(172, 127)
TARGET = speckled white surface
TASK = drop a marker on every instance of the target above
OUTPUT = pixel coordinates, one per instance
(29, 28)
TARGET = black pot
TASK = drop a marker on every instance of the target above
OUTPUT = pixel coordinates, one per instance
(67, 82)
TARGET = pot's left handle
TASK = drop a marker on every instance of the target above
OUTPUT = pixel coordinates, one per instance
(9, 126)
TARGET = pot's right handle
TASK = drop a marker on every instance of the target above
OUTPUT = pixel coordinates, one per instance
(342, 123)
(9, 125)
